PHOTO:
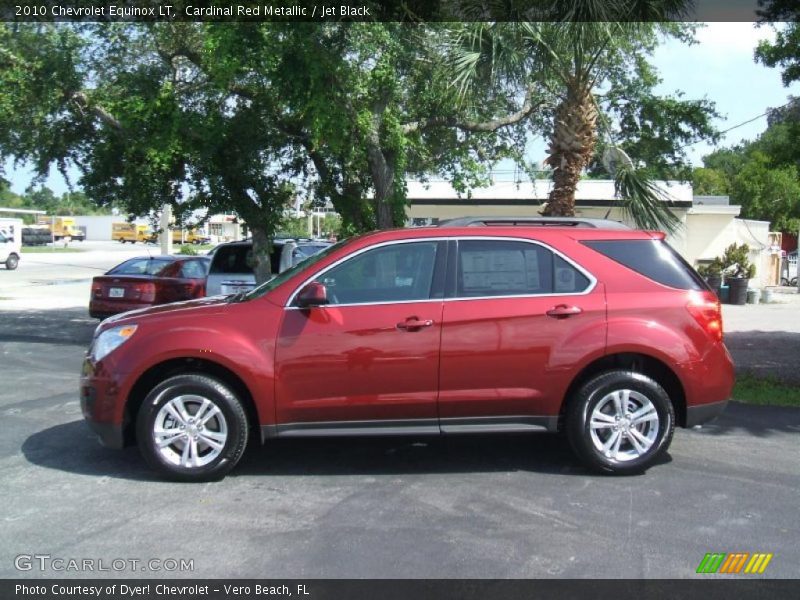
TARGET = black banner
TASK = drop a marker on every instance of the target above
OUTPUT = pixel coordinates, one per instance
(367, 10)
(708, 588)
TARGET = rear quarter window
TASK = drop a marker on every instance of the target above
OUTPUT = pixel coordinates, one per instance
(655, 259)
(233, 259)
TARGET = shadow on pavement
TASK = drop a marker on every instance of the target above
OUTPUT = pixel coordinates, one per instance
(71, 447)
(760, 421)
(773, 354)
(62, 326)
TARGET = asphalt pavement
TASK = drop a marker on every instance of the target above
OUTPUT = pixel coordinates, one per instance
(477, 506)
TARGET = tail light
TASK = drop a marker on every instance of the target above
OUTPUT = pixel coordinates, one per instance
(707, 311)
(97, 289)
(146, 291)
(190, 290)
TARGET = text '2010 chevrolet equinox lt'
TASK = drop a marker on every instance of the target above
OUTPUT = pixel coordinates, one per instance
(602, 332)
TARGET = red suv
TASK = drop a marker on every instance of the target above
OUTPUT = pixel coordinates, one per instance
(478, 326)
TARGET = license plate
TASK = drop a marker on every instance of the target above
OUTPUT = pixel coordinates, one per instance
(116, 292)
(228, 288)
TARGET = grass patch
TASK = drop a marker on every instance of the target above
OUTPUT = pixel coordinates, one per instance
(193, 249)
(765, 391)
(49, 249)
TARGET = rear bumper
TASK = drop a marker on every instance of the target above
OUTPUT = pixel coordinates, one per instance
(100, 309)
(703, 413)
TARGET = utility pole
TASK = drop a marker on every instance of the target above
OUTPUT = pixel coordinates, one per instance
(166, 234)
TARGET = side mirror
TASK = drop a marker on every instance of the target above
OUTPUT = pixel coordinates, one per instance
(314, 294)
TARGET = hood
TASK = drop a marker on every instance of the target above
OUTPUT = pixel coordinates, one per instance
(207, 305)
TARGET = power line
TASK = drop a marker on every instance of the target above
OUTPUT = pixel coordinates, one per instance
(742, 124)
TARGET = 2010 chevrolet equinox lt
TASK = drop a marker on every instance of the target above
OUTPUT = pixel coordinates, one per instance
(603, 332)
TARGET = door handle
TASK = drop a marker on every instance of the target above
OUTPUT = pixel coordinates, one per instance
(414, 324)
(562, 311)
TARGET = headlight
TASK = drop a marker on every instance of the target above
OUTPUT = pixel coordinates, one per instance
(111, 339)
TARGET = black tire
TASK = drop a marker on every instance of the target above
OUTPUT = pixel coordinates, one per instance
(598, 392)
(231, 419)
(12, 262)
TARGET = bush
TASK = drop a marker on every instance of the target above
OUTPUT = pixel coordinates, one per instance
(736, 263)
(188, 250)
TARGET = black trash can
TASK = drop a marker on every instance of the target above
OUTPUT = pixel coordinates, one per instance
(738, 293)
(714, 282)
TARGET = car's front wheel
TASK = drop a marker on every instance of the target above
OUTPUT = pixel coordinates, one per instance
(12, 262)
(620, 422)
(192, 428)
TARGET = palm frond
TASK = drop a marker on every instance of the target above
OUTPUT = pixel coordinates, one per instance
(643, 202)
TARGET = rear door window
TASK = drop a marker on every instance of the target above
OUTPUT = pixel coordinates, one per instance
(510, 268)
(655, 259)
(233, 259)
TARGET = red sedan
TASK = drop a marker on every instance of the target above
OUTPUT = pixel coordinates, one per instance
(146, 281)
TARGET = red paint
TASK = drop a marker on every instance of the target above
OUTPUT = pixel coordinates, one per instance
(439, 358)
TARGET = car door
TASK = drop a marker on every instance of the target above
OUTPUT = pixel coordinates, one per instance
(518, 319)
(368, 360)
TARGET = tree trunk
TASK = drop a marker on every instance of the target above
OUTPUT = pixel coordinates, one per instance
(261, 249)
(382, 172)
(571, 147)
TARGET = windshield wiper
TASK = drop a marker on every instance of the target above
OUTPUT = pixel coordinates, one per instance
(237, 297)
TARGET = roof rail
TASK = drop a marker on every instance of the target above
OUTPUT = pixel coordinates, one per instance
(533, 222)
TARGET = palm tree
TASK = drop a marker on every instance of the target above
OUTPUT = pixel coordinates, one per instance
(571, 59)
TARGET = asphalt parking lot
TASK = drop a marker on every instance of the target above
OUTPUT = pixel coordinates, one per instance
(479, 506)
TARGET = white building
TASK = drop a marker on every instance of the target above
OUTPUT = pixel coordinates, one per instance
(708, 224)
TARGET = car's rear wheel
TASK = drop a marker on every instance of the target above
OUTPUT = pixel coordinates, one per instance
(192, 428)
(620, 422)
(12, 262)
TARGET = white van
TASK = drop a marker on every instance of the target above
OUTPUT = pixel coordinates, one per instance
(10, 242)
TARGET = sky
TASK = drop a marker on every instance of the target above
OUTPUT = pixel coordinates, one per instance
(720, 67)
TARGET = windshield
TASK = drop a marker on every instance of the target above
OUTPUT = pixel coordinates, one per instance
(289, 273)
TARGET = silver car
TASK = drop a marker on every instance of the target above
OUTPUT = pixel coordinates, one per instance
(231, 268)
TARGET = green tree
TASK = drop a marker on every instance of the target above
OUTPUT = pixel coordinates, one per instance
(768, 193)
(709, 182)
(244, 117)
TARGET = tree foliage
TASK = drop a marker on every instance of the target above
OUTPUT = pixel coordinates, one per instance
(243, 117)
(760, 176)
(43, 198)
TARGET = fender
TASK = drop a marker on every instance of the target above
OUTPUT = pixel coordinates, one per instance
(248, 350)
(650, 337)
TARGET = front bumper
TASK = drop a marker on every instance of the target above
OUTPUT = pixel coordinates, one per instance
(110, 435)
(99, 397)
(703, 413)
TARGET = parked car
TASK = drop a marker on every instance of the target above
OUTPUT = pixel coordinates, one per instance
(147, 281)
(10, 242)
(231, 268)
(602, 332)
